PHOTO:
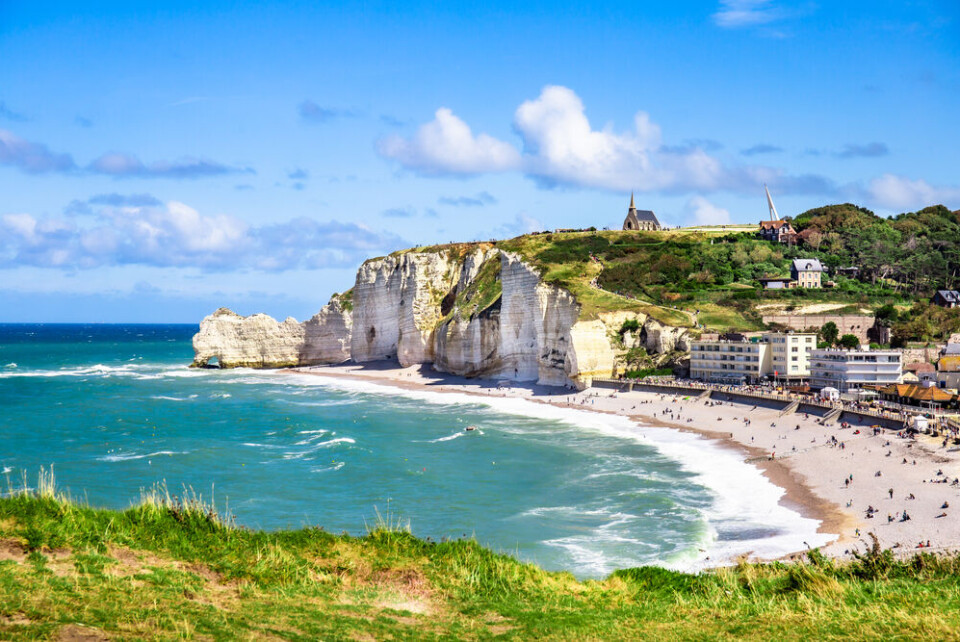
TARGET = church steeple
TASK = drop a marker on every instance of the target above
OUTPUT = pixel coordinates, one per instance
(632, 208)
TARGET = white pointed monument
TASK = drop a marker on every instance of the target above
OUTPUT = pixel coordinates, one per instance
(773, 209)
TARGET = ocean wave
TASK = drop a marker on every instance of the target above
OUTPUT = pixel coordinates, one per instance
(166, 398)
(316, 447)
(131, 456)
(327, 469)
(741, 496)
(135, 370)
(447, 438)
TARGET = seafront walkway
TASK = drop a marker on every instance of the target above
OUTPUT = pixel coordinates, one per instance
(786, 402)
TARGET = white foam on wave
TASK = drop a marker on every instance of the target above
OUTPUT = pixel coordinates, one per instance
(744, 500)
(144, 371)
(131, 456)
(166, 398)
(326, 469)
(447, 438)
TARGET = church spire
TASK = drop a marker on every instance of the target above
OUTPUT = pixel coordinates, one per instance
(631, 202)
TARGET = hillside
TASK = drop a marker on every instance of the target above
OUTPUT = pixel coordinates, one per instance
(173, 569)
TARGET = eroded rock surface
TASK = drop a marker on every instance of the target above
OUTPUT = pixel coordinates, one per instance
(476, 313)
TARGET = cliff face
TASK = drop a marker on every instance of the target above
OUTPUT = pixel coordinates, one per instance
(483, 313)
(229, 340)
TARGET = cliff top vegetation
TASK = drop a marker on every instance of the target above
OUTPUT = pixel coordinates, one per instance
(169, 568)
(711, 275)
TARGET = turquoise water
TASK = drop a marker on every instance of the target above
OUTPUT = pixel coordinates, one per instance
(115, 409)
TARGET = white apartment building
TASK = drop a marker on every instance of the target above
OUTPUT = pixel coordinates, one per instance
(779, 355)
(850, 369)
(790, 354)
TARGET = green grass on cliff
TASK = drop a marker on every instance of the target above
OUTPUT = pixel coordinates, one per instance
(174, 569)
(671, 275)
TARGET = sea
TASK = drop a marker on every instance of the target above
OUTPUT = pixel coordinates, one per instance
(115, 409)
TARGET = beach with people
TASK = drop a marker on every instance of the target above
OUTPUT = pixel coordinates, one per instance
(858, 480)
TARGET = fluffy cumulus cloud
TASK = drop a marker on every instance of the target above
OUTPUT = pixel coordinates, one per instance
(703, 212)
(446, 145)
(560, 147)
(901, 194)
(30, 157)
(176, 235)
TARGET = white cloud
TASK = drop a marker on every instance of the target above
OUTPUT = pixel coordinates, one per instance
(706, 213)
(176, 235)
(446, 145)
(899, 193)
(746, 13)
(521, 224)
(559, 147)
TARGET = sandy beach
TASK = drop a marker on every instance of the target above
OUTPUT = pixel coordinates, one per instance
(829, 473)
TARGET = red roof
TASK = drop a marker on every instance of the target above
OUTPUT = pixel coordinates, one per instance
(773, 225)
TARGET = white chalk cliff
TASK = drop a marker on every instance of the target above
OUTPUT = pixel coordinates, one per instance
(478, 313)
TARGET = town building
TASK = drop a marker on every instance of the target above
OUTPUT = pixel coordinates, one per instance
(640, 219)
(948, 372)
(806, 272)
(790, 354)
(946, 298)
(914, 395)
(864, 327)
(783, 356)
(777, 231)
(851, 369)
(776, 283)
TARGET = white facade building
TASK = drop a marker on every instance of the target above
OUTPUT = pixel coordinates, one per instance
(849, 369)
(779, 355)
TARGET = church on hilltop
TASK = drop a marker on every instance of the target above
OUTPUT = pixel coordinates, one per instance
(640, 219)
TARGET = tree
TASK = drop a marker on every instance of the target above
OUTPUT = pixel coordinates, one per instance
(829, 332)
(849, 341)
(887, 314)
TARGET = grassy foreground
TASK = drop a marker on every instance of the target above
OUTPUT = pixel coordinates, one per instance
(172, 569)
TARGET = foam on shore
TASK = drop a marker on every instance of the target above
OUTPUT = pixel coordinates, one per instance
(744, 518)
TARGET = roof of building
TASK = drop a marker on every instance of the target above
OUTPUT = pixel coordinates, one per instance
(950, 296)
(785, 279)
(949, 364)
(807, 265)
(951, 348)
(773, 225)
(917, 393)
(647, 215)
(920, 366)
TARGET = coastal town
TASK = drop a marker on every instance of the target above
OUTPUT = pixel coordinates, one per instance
(839, 359)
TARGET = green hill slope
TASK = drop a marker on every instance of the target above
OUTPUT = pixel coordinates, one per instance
(166, 569)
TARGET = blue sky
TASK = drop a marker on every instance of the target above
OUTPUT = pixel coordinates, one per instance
(160, 160)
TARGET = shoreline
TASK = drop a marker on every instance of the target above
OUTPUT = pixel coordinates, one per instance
(798, 472)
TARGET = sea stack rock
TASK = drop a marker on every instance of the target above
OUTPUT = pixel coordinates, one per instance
(229, 340)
